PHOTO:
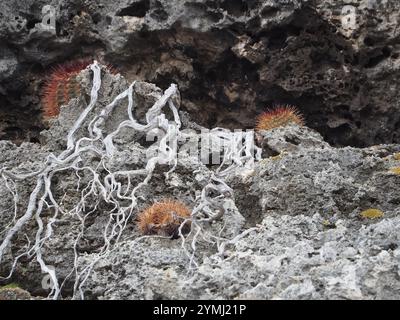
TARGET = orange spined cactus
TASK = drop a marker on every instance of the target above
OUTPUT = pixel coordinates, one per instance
(279, 117)
(61, 86)
(164, 218)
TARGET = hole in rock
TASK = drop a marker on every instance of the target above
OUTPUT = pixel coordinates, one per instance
(136, 9)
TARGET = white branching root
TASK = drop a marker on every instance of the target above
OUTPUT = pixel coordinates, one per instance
(105, 186)
(238, 152)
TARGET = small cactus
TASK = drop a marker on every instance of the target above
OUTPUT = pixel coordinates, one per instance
(61, 87)
(164, 218)
(279, 117)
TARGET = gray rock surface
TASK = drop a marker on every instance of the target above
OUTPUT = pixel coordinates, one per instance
(311, 242)
(294, 227)
(288, 258)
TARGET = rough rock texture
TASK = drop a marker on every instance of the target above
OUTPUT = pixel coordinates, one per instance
(231, 59)
(14, 293)
(311, 243)
(288, 258)
(301, 206)
(295, 218)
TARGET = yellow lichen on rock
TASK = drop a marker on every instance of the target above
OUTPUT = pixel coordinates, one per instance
(372, 213)
(395, 170)
(396, 156)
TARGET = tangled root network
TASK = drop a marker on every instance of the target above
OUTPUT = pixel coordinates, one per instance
(106, 188)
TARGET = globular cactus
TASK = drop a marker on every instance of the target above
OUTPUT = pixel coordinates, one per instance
(279, 117)
(164, 218)
(61, 86)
